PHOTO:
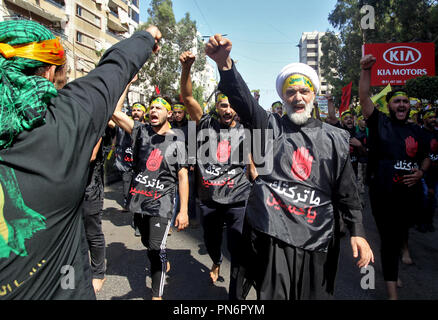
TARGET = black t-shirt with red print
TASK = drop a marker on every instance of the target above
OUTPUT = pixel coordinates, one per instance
(220, 166)
(123, 152)
(157, 160)
(431, 176)
(395, 149)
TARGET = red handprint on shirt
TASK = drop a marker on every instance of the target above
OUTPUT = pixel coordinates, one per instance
(301, 164)
(154, 160)
(433, 145)
(411, 146)
(223, 151)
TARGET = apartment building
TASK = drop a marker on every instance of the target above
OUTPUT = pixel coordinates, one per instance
(310, 53)
(87, 27)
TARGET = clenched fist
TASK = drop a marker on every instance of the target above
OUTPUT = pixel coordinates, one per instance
(156, 34)
(187, 58)
(367, 62)
(218, 49)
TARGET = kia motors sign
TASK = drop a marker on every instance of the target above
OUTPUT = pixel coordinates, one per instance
(398, 62)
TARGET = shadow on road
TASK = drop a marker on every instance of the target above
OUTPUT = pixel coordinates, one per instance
(187, 280)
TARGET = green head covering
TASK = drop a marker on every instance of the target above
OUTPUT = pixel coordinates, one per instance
(23, 99)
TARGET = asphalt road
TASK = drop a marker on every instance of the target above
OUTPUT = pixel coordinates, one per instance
(128, 266)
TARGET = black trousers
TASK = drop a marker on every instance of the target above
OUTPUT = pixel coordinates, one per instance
(92, 213)
(154, 231)
(394, 213)
(214, 218)
(126, 177)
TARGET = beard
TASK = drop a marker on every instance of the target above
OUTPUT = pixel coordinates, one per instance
(301, 117)
(394, 117)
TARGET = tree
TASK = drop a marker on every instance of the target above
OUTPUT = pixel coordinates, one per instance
(395, 21)
(163, 70)
(423, 87)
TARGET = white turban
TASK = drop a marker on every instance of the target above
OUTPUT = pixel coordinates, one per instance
(293, 68)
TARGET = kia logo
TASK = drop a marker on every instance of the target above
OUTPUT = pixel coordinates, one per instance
(402, 56)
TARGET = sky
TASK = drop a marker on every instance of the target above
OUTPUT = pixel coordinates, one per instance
(264, 34)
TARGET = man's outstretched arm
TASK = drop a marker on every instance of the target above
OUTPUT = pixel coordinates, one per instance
(193, 108)
(366, 63)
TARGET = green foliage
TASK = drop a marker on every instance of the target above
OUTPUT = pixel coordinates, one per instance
(163, 70)
(423, 87)
(395, 21)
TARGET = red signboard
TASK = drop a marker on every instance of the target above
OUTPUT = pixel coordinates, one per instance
(398, 62)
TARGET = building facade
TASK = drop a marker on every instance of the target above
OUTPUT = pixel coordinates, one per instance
(86, 27)
(311, 53)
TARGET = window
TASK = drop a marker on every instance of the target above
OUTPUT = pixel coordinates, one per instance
(134, 15)
(87, 15)
(135, 3)
(85, 40)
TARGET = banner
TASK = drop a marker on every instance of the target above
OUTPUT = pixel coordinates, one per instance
(379, 99)
(398, 62)
(346, 96)
(322, 105)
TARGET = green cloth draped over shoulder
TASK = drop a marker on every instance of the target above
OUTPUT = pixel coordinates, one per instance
(23, 99)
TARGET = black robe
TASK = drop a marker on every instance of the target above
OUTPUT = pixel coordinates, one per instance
(293, 210)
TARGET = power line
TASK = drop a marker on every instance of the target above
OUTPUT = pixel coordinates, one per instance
(202, 14)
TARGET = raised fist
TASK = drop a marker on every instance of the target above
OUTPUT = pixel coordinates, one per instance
(154, 161)
(367, 62)
(223, 151)
(218, 49)
(301, 164)
(187, 58)
(156, 34)
(411, 146)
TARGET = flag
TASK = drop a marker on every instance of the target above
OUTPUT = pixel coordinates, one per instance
(346, 96)
(380, 99)
(157, 90)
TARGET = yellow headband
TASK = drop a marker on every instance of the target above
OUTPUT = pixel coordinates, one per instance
(278, 104)
(297, 79)
(399, 94)
(429, 114)
(49, 51)
(345, 113)
(221, 97)
(162, 102)
(179, 107)
(140, 106)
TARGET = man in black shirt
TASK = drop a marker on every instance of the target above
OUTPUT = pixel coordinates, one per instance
(291, 243)
(361, 134)
(123, 155)
(159, 165)
(397, 162)
(347, 123)
(222, 184)
(44, 168)
(431, 177)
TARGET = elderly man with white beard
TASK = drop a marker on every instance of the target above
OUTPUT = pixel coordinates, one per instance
(292, 216)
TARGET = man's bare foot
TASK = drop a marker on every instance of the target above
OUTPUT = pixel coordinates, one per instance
(98, 284)
(157, 298)
(399, 283)
(406, 258)
(214, 272)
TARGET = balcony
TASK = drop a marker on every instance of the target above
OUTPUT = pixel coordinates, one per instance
(115, 24)
(32, 8)
(115, 35)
